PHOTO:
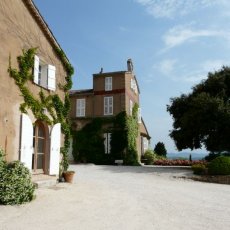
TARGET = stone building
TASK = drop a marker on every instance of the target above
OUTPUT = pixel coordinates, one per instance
(112, 93)
(30, 135)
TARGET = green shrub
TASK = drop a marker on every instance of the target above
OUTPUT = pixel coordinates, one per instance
(15, 184)
(199, 169)
(2, 160)
(149, 156)
(219, 166)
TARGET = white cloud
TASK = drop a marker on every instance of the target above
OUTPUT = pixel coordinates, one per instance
(176, 71)
(181, 34)
(172, 8)
(214, 65)
(166, 67)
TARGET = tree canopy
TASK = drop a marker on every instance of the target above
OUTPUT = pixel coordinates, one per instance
(202, 117)
(160, 149)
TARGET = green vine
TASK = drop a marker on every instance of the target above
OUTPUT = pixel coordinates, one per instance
(57, 109)
(124, 131)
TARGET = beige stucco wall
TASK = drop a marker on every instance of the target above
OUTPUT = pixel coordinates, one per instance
(19, 30)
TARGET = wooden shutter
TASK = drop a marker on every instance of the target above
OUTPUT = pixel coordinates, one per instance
(105, 142)
(26, 144)
(51, 78)
(139, 115)
(108, 83)
(110, 105)
(105, 105)
(80, 107)
(55, 144)
(36, 68)
(109, 143)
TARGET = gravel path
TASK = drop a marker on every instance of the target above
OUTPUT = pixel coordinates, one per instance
(124, 198)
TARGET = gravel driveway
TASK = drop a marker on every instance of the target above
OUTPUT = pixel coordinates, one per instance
(124, 198)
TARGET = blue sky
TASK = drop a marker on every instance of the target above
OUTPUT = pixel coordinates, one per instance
(173, 45)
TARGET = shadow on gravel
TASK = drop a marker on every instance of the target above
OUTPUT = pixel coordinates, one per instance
(158, 170)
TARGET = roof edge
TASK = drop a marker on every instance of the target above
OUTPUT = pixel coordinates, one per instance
(43, 25)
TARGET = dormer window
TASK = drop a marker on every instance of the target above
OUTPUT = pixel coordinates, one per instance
(44, 74)
(108, 83)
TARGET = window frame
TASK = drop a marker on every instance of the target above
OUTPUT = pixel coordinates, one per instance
(80, 107)
(108, 83)
(108, 105)
(44, 74)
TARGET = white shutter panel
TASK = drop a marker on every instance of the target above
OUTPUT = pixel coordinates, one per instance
(110, 105)
(51, 84)
(130, 107)
(26, 144)
(36, 68)
(139, 115)
(55, 140)
(109, 142)
(109, 83)
(105, 142)
(105, 105)
(78, 108)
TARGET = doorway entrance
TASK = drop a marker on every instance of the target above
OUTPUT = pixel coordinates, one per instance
(39, 145)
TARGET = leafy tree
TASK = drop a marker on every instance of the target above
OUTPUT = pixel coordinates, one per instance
(202, 117)
(160, 149)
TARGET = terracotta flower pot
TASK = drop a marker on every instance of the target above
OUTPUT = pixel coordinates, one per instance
(68, 176)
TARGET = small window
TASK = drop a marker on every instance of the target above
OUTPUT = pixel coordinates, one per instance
(108, 83)
(44, 74)
(108, 105)
(107, 143)
(80, 107)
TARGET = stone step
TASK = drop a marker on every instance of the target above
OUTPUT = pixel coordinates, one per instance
(44, 181)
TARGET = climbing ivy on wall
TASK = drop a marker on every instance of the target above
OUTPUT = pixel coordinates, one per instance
(123, 142)
(131, 156)
(58, 110)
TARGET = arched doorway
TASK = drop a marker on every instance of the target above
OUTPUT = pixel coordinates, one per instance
(39, 145)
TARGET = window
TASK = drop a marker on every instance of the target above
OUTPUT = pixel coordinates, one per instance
(130, 107)
(44, 74)
(145, 144)
(133, 85)
(80, 107)
(107, 142)
(108, 83)
(108, 105)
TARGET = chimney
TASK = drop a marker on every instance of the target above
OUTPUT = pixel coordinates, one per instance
(130, 65)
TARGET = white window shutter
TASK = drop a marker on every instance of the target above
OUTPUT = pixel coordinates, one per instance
(36, 68)
(105, 142)
(80, 107)
(26, 143)
(109, 142)
(105, 105)
(110, 105)
(55, 143)
(139, 115)
(130, 107)
(108, 83)
(51, 78)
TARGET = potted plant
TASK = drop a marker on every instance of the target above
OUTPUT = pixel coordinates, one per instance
(68, 175)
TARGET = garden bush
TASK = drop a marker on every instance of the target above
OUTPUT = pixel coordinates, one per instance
(149, 157)
(219, 166)
(16, 186)
(199, 169)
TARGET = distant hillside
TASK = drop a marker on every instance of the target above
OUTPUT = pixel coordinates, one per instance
(195, 156)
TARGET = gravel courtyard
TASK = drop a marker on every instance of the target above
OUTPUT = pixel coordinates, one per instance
(124, 198)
